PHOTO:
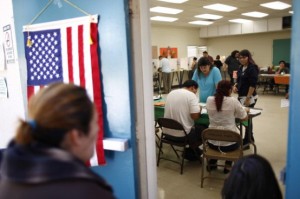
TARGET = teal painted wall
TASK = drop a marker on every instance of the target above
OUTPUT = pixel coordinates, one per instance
(281, 51)
(113, 28)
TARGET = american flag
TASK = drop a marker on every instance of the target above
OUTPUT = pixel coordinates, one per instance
(66, 51)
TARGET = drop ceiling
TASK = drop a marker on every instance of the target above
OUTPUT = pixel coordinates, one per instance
(192, 8)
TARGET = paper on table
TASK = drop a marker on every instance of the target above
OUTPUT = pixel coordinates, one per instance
(284, 103)
(202, 104)
(156, 97)
(242, 100)
(254, 111)
(203, 111)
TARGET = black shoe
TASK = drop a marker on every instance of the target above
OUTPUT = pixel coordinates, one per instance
(252, 138)
(211, 168)
(225, 171)
(245, 141)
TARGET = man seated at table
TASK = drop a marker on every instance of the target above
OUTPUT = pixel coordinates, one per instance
(182, 106)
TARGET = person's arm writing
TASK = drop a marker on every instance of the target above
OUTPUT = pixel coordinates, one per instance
(195, 116)
(245, 118)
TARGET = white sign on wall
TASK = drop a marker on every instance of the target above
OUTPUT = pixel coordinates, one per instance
(3, 88)
(8, 45)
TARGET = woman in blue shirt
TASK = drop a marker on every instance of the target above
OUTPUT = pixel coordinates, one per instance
(207, 77)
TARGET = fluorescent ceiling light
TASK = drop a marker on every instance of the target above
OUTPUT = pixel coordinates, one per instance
(255, 14)
(291, 12)
(209, 16)
(220, 7)
(165, 10)
(201, 22)
(174, 1)
(166, 19)
(276, 5)
(239, 20)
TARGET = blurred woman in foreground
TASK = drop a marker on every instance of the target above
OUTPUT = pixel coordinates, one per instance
(47, 157)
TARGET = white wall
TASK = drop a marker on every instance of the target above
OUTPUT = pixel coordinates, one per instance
(260, 45)
(11, 108)
(164, 36)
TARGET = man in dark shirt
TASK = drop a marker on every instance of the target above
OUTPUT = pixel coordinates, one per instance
(233, 64)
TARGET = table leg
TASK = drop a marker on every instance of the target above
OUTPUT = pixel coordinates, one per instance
(250, 129)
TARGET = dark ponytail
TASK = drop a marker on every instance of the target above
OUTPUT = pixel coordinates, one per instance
(223, 89)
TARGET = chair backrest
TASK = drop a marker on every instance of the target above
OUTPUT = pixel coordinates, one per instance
(221, 135)
(172, 125)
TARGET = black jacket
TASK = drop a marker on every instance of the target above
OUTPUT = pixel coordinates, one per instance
(48, 173)
(247, 78)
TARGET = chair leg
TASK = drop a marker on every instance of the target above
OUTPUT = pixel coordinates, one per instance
(202, 173)
(159, 152)
(182, 161)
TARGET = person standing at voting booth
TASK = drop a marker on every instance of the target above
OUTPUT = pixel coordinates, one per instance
(247, 77)
(207, 76)
(47, 157)
(165, 68)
